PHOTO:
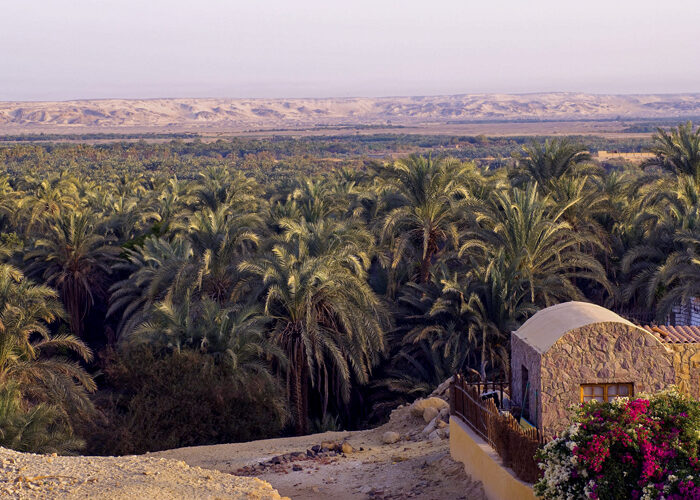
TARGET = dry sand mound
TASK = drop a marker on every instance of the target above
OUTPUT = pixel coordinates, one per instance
(25, 475)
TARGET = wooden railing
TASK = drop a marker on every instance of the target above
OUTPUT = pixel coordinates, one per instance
(515, 445)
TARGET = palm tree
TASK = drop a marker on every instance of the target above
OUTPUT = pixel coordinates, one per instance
(546, 162)
(347, 240)
(422, 195)
(47, 200)
(219, 186)
(496, 303)
(538, 242)
(126, 217)
(467, 317)
(666, 221)
(8, 198)
(679, 276)
(431, 338)
(678, 151)
(220, 239)
(233, 336)
(154, 271)
(32, 372)
(171, 200)
(325, 318)
(316, 200)
(41, 428)
(75, 259)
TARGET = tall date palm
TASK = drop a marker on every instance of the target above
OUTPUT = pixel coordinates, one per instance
(74, 257)
(325, 317)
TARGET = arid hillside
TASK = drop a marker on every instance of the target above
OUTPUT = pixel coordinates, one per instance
(255, 114)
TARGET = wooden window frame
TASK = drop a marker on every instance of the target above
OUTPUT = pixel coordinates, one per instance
(630, 387)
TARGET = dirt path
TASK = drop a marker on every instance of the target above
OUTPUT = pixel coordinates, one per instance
(413, 467)
(405, 458)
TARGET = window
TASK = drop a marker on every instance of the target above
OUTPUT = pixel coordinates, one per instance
(524, 390)
(605, 392)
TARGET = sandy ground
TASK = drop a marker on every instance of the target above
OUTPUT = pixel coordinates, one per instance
(29, 476)
(414, 463)
(413, 467)
(407, 469)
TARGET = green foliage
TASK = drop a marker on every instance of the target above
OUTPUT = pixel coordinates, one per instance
(38, 428)
(678, 151)
(342, 284)
(174, 399)
(43, 393)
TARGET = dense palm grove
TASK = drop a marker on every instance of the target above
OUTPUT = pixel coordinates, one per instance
(245, 298)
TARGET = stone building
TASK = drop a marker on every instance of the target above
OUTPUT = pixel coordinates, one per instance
(576, 351)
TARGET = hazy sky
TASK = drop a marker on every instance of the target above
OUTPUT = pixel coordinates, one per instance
(59, 49)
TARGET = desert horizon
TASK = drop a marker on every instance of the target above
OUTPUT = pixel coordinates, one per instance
(457, 113)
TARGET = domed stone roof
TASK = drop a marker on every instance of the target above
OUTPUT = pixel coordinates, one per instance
(547, 326)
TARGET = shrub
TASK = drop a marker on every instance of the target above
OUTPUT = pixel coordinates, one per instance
(646, 448)
(162, 401)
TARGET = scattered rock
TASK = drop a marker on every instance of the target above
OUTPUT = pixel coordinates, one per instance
(330, 446)
(390, 437)
(347, 448)
(419, 406)
(29, 476)
(430, 427)
(429, 414)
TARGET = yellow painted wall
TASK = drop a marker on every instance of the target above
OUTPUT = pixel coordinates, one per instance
(482, 463)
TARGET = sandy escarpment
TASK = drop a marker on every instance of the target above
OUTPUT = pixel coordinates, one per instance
(252, 114)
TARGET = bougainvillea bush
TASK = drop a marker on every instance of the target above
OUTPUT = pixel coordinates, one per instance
(643, 448)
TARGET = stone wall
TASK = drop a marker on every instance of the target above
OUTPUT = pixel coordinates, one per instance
(523, 354)
(600, 353)
(686, 362)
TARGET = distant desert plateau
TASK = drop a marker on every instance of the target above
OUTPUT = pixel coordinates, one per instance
(469, 113)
